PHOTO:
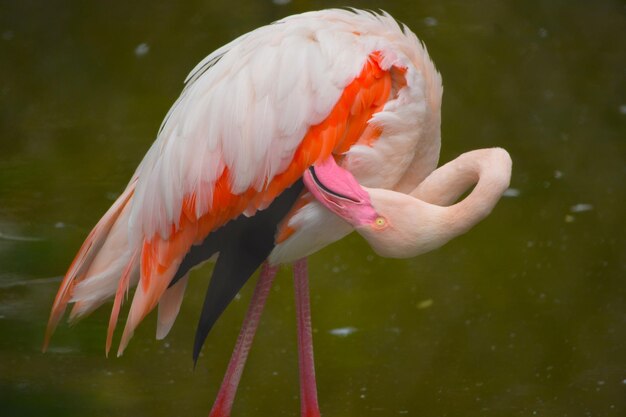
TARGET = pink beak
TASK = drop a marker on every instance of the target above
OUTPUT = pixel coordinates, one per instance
(339, 191)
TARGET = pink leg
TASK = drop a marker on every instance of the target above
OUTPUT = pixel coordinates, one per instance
(308, 389)
(226, 395)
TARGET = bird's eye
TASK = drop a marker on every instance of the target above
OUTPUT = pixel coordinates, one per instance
(380, 222)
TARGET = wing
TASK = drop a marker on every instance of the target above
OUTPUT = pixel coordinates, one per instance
(252, 117)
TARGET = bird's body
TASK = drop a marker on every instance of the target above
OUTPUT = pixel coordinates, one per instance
(238, 135)
(253, 117)
(250, 105)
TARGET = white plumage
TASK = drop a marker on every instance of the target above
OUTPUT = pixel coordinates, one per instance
(248, 105)
(345, 100)
(246, 108)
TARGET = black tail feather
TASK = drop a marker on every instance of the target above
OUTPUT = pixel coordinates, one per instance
(243, 244)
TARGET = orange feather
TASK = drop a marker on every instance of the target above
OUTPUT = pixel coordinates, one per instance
(159, 257)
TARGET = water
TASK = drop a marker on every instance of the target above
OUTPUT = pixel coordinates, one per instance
(523, 316)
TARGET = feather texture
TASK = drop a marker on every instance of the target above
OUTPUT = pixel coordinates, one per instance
(252, 117)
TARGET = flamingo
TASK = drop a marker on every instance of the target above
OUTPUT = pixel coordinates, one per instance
(282, 141)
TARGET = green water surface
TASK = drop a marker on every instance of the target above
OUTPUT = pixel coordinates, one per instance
(523, 316)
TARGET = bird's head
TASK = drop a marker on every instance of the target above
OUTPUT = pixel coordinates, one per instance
(399, 225)
(396, 225)
(404, 226)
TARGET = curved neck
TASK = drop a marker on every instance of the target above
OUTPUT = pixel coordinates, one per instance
(489, 169)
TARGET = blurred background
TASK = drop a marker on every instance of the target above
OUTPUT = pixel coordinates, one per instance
(523, 316)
